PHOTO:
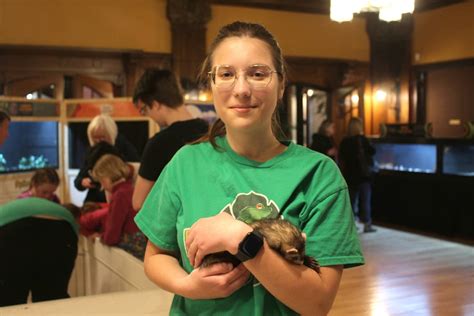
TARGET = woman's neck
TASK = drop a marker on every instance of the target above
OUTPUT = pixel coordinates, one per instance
(178, 114)
(259, 148)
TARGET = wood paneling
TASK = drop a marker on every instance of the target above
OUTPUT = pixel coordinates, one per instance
(449, 97)
(120, 68)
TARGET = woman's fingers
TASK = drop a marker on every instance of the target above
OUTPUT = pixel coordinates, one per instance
(192, 249)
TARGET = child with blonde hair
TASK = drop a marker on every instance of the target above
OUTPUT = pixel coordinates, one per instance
(117, 225)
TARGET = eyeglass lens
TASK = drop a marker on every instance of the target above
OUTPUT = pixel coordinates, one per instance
(258, 76)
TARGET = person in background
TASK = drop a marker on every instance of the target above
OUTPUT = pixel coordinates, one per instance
(159, 96)
(117, 226)
(323, 140)
(356, 162)
(43, 184)
(102, 133)
(38, 249)
(242, 170)
(4, 124)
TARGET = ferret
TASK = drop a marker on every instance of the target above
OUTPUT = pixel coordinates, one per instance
(281, 236)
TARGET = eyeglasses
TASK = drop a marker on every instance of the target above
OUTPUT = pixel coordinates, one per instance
(143, 109)
(257, 76)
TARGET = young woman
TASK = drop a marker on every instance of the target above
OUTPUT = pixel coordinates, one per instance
(242, 170)
(43, 184)
(356, 162)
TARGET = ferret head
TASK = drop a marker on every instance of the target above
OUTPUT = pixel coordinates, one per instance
(283, 237)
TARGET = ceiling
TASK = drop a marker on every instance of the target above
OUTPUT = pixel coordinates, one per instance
(319, 6)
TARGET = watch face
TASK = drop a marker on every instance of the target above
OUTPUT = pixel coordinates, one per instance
(251, 244)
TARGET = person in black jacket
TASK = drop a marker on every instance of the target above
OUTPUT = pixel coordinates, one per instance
(103, 136)
(323, 140)
(356, 162)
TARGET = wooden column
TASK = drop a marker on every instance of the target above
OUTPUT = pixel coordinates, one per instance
(188, 20)
(390, 65)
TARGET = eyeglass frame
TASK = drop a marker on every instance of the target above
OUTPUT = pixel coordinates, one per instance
(143, 110)
(213, 80)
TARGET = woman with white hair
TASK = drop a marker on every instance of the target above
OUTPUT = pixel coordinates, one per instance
(104, 138)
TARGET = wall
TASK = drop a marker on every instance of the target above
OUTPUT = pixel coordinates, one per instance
(117, 24)
(300, 34)
(444, 34)
(449, 97)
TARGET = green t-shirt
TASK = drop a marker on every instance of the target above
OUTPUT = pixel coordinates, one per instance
(32, 206)
(303, 186)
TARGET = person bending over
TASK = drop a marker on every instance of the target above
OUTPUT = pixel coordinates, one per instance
(38, 248)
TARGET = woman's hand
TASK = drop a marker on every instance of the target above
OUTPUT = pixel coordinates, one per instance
(216, 281)
(214, 234)
(87, 183)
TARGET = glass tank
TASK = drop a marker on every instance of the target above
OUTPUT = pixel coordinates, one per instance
(459, 160)
(406, 157)
(31, 145)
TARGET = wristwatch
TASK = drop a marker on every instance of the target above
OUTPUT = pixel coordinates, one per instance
(250, 246)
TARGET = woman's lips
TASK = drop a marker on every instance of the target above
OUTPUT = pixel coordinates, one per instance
(242, 108)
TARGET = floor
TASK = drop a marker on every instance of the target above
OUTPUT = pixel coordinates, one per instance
(408, 274)
(405, 274)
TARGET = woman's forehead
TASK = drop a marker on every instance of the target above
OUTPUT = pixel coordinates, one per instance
(242, 51)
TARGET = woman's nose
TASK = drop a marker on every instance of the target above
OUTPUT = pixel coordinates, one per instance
(242, 86)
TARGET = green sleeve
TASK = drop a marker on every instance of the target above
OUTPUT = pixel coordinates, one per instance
(158, 217)
(331, 234)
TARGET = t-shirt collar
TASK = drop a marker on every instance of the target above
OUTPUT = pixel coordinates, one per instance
(222, 142)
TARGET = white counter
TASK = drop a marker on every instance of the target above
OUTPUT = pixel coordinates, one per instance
(146, 302)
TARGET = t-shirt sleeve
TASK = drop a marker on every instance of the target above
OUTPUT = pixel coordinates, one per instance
(331, 234)
(158, 217)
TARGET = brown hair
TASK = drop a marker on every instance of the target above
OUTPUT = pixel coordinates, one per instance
(112, 167)
(355, 127)
(4, 117)
(45, 175)
(251, 30)
(90, 207)
(323, 129)
(75, 211)
(158, 85)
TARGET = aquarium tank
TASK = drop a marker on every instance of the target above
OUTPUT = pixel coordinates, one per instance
(30, 146)
(419, 158)
(459, 160)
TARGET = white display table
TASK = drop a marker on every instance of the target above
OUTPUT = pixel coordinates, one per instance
(146, 302)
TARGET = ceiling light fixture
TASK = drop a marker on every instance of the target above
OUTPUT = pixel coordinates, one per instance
(389, 10)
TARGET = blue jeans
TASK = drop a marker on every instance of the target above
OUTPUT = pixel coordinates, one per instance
(361, 198)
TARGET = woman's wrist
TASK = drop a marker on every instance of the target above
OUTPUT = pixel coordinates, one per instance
(241, 230)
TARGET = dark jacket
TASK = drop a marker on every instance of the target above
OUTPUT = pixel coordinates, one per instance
(356, 159)
(322, 143)
(93, 154)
